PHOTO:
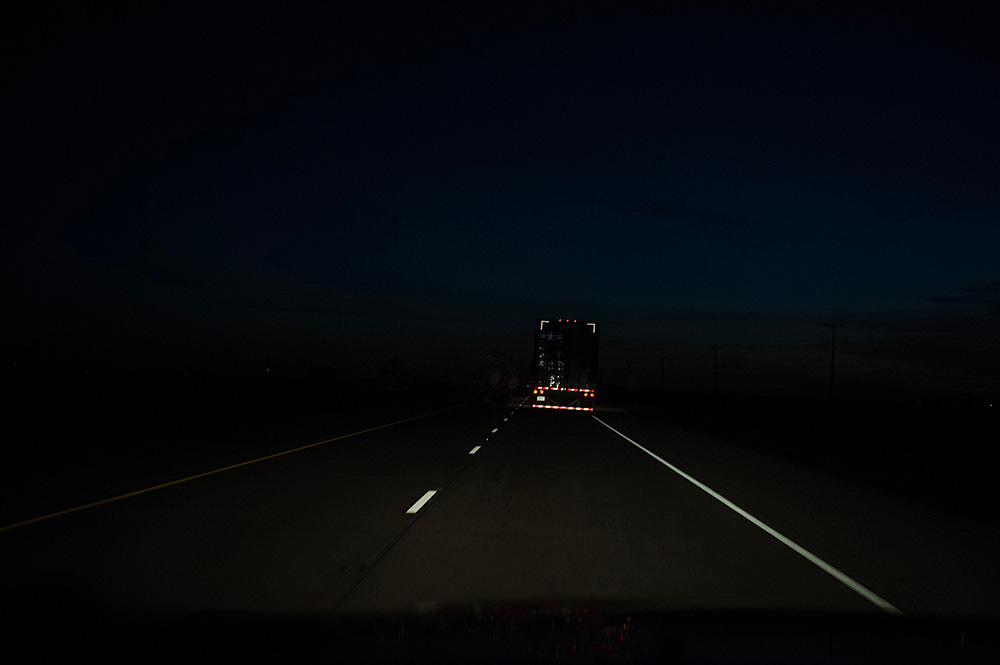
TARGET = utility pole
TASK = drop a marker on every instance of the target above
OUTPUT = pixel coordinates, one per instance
(833, 345)
(715, 353)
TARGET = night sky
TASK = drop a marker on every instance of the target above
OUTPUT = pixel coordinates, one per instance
(222, 190)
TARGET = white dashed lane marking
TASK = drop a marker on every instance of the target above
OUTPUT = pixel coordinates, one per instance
(421, 501)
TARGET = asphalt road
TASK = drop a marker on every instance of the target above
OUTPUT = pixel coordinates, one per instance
(551, 507)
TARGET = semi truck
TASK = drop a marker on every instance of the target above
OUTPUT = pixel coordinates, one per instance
(563, 373)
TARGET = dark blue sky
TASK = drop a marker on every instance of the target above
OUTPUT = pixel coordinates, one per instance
(199, 190)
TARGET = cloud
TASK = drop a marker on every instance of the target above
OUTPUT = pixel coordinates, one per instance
(685, 315)
(958, 334)
(983, 295)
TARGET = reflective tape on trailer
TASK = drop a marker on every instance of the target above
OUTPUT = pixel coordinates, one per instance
(571, 408)
(589, 391)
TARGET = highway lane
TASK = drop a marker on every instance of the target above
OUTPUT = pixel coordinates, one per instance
(926, 561)
(289, 534)
(89, 442)
(550, 507)
(559, 508)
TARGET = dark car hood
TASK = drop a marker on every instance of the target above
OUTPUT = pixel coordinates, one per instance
(517, 633)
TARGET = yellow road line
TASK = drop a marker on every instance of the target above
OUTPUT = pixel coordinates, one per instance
(10, 527)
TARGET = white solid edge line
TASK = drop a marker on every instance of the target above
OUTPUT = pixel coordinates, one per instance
(421, 501)
(850, 583)
(474, 450)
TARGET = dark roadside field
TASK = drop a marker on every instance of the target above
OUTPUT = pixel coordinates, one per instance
(74, 440)
(938, 455)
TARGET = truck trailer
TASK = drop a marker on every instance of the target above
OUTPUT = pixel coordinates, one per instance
(563, 373)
